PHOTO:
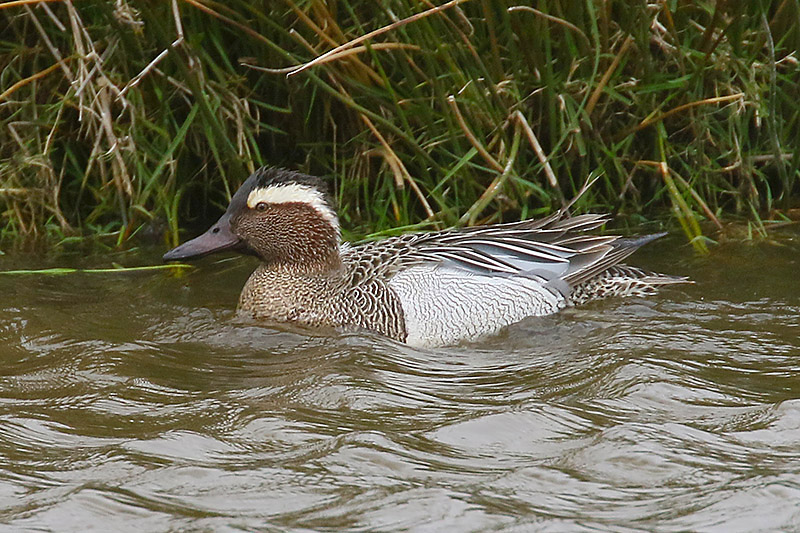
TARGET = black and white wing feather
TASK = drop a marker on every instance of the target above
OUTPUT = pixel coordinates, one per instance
(553, 249)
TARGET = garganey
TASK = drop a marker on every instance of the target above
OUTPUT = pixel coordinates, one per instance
(425, 289)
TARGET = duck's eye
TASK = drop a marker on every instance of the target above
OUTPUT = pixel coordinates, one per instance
(261, 206)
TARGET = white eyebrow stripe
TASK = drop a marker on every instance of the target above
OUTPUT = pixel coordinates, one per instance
(293, 193)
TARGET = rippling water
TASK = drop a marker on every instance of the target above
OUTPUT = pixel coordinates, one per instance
(138, 402)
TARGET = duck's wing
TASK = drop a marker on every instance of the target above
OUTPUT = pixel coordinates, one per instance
(552, 249)
(549, 248)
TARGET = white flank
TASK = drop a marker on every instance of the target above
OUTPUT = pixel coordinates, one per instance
(294, 193)
(445, 305)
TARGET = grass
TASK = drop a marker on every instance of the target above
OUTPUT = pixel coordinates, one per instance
(118, 269)
(132, 119)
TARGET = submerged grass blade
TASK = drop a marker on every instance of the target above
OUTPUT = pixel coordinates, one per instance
(59, 271)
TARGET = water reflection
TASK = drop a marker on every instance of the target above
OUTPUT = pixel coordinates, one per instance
(141, 402)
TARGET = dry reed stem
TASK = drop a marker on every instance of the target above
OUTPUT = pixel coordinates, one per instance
(17, 191)
(650, 121)
(537, 148)
(551, 18)
(397, 165)
(52, 16)
(302, 15)
(778, 12)
(607, 76)
(361, 49)
(703, 205)
(471, 136)
(120, 170)
(15, 3)
(672, 30)
(495, 187)
(333, 26)
(375, 33)
(708, 44)
(150, 66)
(49, 44)
(345, 53)
(230, 21)
(769, 158)
(29, 79)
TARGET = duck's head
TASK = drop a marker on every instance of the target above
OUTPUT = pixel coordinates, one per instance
(279, 215)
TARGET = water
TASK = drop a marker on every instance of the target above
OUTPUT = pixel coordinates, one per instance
(138, 402)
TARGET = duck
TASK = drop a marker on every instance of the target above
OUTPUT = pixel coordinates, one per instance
(425, 289)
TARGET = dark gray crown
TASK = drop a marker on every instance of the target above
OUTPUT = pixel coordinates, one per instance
(267, 176)
(272, 176)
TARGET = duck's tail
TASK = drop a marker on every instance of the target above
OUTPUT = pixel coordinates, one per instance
(622, 280)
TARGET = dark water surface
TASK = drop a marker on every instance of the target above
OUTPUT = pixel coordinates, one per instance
(138, 402)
